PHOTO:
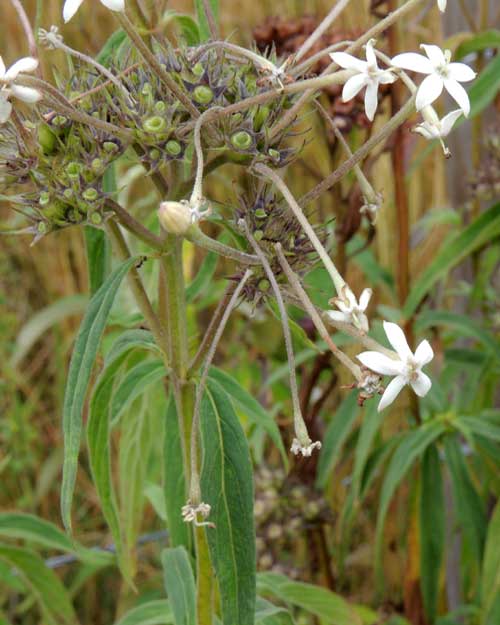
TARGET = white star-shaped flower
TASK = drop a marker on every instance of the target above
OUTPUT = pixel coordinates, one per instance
(368, 75)
(435, 128)
(441, 74)
(350, 310)
(72, 6)
(407, 368)
(9, 88)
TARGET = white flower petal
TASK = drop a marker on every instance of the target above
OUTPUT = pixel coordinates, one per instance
(371, 99)
(398, 340)
(461, 72)
(424, 353)
(353, 86)
(422, 384)
(364, 299)
(442, 5)
(380, 363)
(114, 5)
(391, 392)
(430, 89)
(5, 110)
(25, 65)
(70, 8)
(371, 59)
(459, 94)
(336, 315)
(26, 94)
(2, 68)
(414, 62)
(448, 121)
(435, 54)
(347, 61)
(386, 77)
(427, 131)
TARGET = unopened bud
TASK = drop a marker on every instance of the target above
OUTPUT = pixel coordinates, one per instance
(155, 124)
(173, 147)
(242, 140)
(175, 217)
(90, 194)
(203, 95)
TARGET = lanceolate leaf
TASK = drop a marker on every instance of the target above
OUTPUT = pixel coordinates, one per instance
(227, 485)
(80, 369)
(46, 586)
(336, 433)
(412, 446)
(432, 529)
(250, 407)
(174, 483)
(482, 230)
(180, 585)
(469, 506)
(205, 34)
(203, 277)
(315, 599)
(150, 613)
(490, 578)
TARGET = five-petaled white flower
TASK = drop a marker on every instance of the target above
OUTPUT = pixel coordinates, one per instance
(72, 6)
(368, 75)
(9, 88)
(441, 73)
(435, 128)
(407, 369)
(350, 310)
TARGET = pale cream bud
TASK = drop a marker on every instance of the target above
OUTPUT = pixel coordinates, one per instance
(175, 217)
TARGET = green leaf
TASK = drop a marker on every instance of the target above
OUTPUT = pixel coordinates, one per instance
(411, 447)
(203, 278)
(266, 613)
(336, 433)
(481, 426)
(189, 29)
(482, 230)
(432, 529)
(298, 333)
(315, 599)
(151, 613)
(98, 257)
(44, 583)
(485, 87)
(464, 325)
(490, 577)
(111, 47)
(477, 43)
(44, 319)
(227, 485)
(174, 484)
(129, 340)
(469, 506)
(250, 407)
(180, 585)
(134, 383)
(205, 33)
(80, 369)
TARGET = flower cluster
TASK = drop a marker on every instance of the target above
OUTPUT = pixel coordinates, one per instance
(9, 87)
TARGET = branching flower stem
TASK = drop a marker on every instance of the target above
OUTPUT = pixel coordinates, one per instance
(155, 65)
(337, 279)
(194, 489)
(300, 427)
(294, 281)
(135, 227)
(195, 235)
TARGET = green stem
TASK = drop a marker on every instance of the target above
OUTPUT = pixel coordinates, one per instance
(204, 576)
(195, 235)
(135, 227)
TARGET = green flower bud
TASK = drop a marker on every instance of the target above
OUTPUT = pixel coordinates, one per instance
(198, 69)
(258, 234)
(42, 227)
(68, 193)
(242, 140)
(174, 148)
(90, 194)
(203, 95)
(154, 154)
(73, 170)
(160, 107)
(110, 147)
(260, 213)
(274, 154)
(175, 217)
(97, 164)
(44, 198)
(264, 285)
(95, 218)
(155, 124)
(59, 120)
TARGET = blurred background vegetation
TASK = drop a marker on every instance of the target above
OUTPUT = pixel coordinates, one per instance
(310, 524)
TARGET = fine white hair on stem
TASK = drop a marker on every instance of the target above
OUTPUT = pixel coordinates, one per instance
(194, 490)
(321, 28)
